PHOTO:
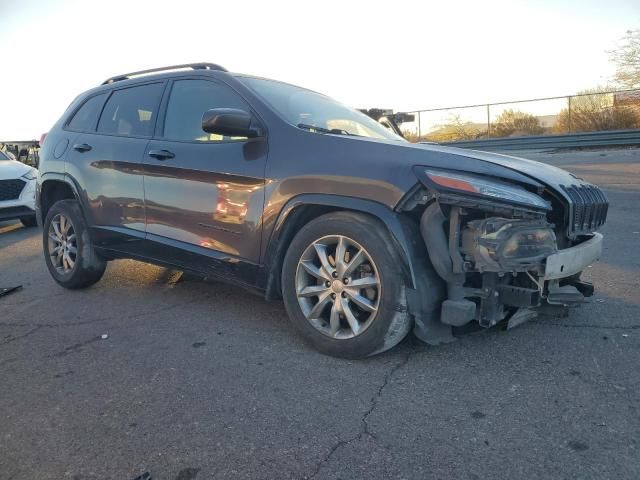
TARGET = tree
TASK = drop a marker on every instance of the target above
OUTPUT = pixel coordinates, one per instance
(593, 111)
(516, 123)
(411, 136)
(627, 61)
(455, 129)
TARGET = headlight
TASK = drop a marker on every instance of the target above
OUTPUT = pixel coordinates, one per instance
(502, 244)
(31, 174)
(478, 186)
(530, 243)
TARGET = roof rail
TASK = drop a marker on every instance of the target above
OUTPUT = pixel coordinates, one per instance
(194, 66)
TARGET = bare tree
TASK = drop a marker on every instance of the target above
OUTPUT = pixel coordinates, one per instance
(516, 123)
(627, 60)
(597, 111)
(455, 129)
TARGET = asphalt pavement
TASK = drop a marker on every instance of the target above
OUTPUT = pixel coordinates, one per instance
(150, 372)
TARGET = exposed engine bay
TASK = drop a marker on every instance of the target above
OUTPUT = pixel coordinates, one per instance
(504, 261)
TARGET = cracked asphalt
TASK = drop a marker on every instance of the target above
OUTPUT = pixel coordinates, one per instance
(151, 372)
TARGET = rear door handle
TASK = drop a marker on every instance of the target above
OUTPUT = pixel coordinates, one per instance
(82, 147)
(161, 154)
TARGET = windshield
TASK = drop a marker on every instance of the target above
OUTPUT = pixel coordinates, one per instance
(308, 109)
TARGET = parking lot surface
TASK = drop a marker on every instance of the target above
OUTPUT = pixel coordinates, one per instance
(150, 372)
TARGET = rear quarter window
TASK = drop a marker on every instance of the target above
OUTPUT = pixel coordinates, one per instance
(86, 117)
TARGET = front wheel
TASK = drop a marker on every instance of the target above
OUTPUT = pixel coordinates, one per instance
(69, 255)
(343, 287)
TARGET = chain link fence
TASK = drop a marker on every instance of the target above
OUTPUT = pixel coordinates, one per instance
(588, 112)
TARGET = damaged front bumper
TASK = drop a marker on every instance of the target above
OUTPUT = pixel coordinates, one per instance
(573, 260)
(487, 282)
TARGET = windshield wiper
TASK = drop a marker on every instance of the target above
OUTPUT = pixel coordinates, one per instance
(335, 131)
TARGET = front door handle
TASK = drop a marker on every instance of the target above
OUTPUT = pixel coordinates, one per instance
(161, 154)
(82, 147)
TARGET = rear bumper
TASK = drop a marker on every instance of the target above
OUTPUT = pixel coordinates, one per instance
(573, 260)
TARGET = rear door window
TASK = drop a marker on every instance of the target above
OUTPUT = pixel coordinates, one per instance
(86, 117)
(131, 111)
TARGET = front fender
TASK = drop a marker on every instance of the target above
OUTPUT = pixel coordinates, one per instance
(286, 220)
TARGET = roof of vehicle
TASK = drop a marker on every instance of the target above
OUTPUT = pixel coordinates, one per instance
(178, 70)
(184, 66)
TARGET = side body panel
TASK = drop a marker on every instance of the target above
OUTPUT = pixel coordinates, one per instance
(204, 201)
(306, 163)
(52, 158)
(208, 199)
(111, 187)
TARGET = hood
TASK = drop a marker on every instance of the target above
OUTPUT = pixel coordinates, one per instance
(10, 169)
(485, 162)
(400, 157)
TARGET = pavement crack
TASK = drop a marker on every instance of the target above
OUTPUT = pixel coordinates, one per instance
(32, 299)
(34, 327)
(602, 327)
(95, 320)
(52, 325)
(364, 429)
(376, 398)
(19, 337)
(77, 347)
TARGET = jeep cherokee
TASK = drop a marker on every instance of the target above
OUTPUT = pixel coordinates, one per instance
(288, 193)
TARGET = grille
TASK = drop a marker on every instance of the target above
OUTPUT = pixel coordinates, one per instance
(588, 208)
(10, 189)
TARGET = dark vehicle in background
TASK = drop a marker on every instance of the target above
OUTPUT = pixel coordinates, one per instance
(388, 119)
(289, 193)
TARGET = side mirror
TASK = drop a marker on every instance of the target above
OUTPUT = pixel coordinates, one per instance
(230, 122)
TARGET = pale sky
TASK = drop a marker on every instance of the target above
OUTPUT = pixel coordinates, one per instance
(391, 54)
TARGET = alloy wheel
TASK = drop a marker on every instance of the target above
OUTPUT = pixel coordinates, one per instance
(62, 245)
(338, 287)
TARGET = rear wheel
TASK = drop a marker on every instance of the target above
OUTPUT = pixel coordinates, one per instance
(343, 287)
(69, 255)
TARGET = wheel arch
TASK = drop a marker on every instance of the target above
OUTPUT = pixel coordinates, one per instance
(299, 210)
(53, 188)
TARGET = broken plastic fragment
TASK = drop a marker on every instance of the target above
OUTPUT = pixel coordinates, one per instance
(144, 476)
(8, 290)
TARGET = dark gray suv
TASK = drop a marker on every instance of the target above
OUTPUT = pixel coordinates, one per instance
(288, 193)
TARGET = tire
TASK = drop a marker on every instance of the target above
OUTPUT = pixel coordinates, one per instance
(29, 221)
(87, 267)
(377, 330)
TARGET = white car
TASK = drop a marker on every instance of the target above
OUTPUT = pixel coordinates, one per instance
(17, 191)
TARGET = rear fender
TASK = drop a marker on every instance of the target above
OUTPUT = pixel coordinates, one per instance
(55, 177)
